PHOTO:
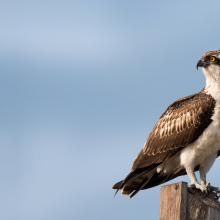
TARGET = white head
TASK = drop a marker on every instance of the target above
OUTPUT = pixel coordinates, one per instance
(210, 63)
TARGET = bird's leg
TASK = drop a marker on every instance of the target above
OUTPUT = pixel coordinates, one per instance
(191, 176)
(203, 182)
(211, 190)
(193, 180)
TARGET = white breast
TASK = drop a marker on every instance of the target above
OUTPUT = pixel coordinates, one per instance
(205, 148)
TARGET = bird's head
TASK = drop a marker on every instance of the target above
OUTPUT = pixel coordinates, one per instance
(209, 59)
(210, 62)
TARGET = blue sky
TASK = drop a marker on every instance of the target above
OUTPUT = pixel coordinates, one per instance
(81, 85)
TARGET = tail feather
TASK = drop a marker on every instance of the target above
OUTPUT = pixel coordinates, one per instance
(134, 180)
(144, 178)
(144, 182)
(118, 185)
(147, 177)
(131, 176)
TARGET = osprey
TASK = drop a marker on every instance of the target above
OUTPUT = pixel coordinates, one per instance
(185, 139)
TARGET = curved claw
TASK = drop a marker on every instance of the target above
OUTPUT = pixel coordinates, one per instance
(202, 187)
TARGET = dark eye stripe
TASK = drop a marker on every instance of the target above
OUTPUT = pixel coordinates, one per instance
(217, 60)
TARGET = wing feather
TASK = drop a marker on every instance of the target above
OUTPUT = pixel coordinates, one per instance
(181, 124)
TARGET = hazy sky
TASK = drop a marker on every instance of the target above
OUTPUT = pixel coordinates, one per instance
(81, 85)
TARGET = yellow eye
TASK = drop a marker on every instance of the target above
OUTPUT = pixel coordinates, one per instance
(212, 59)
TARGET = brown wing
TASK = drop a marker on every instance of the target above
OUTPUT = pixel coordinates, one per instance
(181, 124)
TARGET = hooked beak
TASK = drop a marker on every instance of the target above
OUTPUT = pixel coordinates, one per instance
(202, 63)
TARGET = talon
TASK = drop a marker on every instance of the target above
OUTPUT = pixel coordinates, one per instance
(202, 187)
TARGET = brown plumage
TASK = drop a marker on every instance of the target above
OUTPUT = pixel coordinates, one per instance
(181, 124)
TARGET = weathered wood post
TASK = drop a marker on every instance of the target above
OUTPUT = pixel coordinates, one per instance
(178, 202)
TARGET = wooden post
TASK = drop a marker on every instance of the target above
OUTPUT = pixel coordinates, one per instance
(181, 203)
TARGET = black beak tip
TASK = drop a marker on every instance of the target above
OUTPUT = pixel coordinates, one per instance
(202, 63)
